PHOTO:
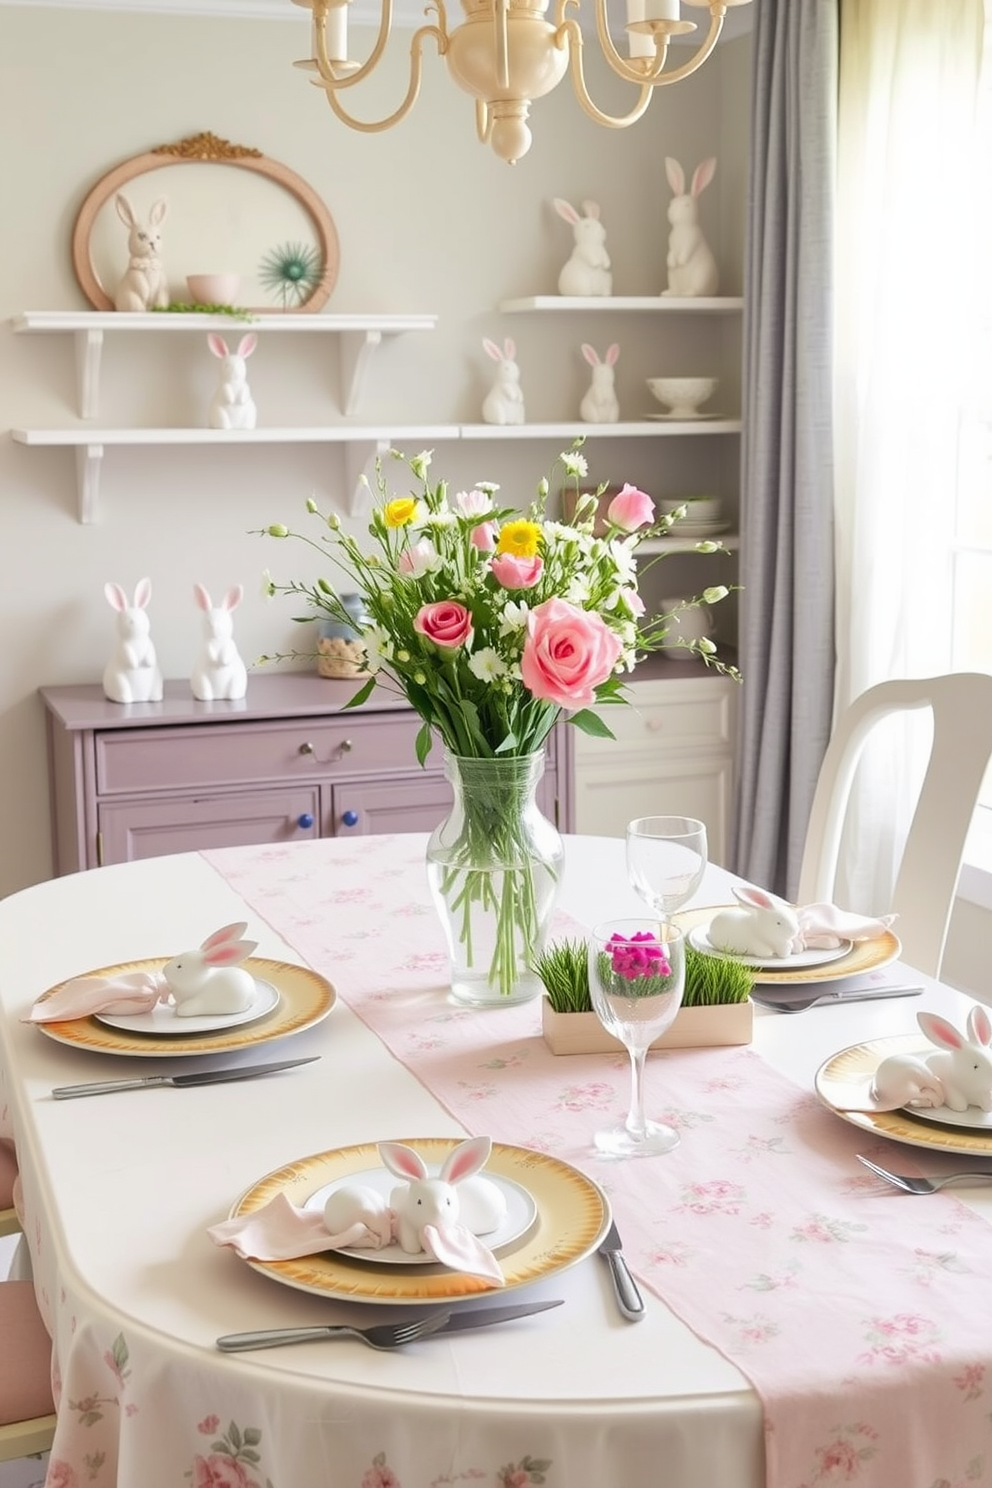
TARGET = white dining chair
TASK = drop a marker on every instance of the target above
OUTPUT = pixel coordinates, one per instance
(927, 879)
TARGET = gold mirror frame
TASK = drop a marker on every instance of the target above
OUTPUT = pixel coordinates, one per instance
(198, 149)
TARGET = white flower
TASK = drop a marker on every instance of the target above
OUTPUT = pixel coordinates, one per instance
(515, 613)
(420, 464)
(578, 589)
(418, 559)
(622, 553)
(268, 586)
(575, 464)
(441, 519)
(474, 503)
(632, 602)
(487, 665)
(378, 643)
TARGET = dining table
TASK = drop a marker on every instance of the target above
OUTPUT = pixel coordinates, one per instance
(804, 1322)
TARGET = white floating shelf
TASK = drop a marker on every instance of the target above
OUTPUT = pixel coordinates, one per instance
(641, 429)
(711, 304)
(729, 540)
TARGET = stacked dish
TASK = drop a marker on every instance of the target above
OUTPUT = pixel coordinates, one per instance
(704, 516)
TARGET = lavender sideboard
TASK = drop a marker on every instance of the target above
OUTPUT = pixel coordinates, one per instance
(284, 763)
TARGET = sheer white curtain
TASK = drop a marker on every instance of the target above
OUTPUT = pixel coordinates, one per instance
(912, 263)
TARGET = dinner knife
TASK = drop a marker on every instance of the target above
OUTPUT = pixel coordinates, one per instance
(198, 1077)
(458, 1322)
(629, 1299)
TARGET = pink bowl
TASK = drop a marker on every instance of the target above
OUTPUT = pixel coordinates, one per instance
(214, 289)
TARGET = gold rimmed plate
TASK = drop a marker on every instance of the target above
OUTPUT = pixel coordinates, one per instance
(845, 1079)
(863, 956)
(572, 1217)
(304, 998)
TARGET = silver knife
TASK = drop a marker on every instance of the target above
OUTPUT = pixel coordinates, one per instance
(629, 1299)
(199, 1077)
(456, 1322)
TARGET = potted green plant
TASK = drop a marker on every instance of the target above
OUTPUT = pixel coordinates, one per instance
(716, 1007)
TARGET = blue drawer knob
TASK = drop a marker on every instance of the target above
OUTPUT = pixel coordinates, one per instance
(305, 821)
(350, 818)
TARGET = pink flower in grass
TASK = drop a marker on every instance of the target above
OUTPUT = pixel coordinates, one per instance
(517, 573)
(638, 955)
(447, 623)
(567, 654)
(630, 509)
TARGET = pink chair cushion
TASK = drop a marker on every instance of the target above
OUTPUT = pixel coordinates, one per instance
(26, 1356)
(8, 1172)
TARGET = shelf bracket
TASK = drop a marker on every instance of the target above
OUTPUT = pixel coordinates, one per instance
(89, 348)
(359, 458)
(355, 350)
(89, 458)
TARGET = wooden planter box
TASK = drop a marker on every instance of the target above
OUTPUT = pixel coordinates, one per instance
(694, 1028)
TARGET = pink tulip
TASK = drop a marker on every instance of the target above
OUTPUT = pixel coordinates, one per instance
(446, 623)
(484, 536)
(516, 573)
(630, 509)
(567, 654)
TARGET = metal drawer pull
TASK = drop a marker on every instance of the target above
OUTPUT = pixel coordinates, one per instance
(345, 747)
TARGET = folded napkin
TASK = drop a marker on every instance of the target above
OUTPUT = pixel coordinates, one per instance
(824, 926)
(136, 992)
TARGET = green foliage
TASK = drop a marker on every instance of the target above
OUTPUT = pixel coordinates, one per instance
(235, 312)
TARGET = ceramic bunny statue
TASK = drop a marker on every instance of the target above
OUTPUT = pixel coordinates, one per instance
(504, 402)
(132, 674)
(218, 671)
(600, 405)
(692, 268)
(231, 406)
(210, 979)
(763, 926)
(587, 272)
(959, 1075)
(144, 283)
(427, 1211)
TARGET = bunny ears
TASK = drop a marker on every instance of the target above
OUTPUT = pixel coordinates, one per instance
(220, 348)
(701, 176)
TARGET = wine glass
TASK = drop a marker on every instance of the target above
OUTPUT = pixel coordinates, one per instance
(636, 981)
(666, 860)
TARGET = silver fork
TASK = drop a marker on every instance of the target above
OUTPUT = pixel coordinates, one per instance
(380, 1336)
(922, 1185)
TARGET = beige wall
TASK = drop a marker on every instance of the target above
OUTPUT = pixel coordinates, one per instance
(429, 220)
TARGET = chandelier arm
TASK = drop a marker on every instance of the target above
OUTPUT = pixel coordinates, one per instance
(412, 93)
(571, 34)
(500, 13)
(717, 14)
(641, 74)
(483, 121)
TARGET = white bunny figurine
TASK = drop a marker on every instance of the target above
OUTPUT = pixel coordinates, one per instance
(600, 406)
(504, 402)
(231, 406)
(959, 1075)
(132, 674)
(144, 283)
(427, 1211)
(210, 980)
(218, 671)
(692, 268)
(587, 272)
(763, 926)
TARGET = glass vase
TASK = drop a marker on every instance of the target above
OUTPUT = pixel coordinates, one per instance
(494, 866)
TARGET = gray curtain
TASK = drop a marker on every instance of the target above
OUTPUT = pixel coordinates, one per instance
(786, 557)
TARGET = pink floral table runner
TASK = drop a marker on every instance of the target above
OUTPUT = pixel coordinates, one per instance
(861, 1318)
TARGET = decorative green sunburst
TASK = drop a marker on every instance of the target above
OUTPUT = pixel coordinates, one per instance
(292, 272)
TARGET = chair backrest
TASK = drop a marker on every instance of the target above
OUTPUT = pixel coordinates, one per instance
(27, 1419)
(9, 1222)
(923, 896)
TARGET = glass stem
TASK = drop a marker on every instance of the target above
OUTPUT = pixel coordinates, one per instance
(636, 1124)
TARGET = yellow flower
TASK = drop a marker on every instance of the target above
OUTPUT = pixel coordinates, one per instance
(399, 513)
(520, 539)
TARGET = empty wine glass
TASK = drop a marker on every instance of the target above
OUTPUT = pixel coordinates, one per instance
(636, 981)
(666, 860)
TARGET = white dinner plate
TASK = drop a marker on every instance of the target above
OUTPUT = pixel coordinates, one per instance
(521, 1212)
(698, 529)
(164, 1022)
(815, 956)
(847, 1077)
(864, 955)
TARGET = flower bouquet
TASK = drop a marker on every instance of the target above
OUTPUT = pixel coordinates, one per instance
(494, 622)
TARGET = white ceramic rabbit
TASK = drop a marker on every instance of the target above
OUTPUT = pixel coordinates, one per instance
(587, 272)
(144, 283)
(218, 671)
(231, 406)
(600, 405)
(763, 925)
(504, 402)
(359, 1216)
(210, 979)
(959, 1075)
(132, 674)
(427, 1211)
(692, 268)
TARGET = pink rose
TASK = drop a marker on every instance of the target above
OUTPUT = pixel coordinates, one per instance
(60, 1474)
(446, 623)
(484, 536)
(516, 573)
(219, 1471)
(567, 654)
(630, 509)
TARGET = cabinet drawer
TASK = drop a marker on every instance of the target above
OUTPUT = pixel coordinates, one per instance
(233, 754)
(697, 719)
(149, 829)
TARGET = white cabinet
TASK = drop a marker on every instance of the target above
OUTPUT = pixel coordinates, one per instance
(673, 753)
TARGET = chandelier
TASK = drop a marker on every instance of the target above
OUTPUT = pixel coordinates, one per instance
(506, 53)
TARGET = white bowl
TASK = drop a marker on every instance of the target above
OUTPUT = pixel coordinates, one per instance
(214, 289)
(683, 395)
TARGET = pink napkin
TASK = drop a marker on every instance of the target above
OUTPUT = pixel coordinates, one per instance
(825, 926)
(137, 992)
(279, 1231)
